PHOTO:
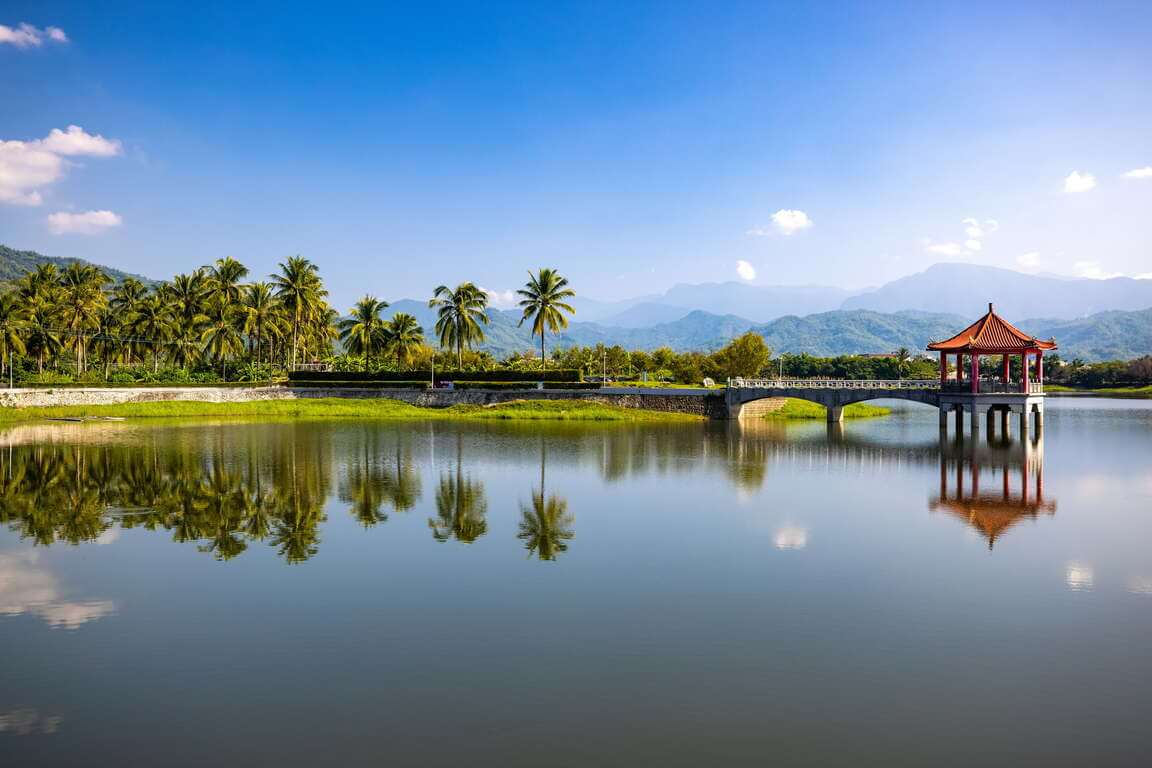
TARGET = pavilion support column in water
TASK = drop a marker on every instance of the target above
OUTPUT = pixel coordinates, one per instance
(959, 411)
(990, 423)
(944, 420)
(975, 420)
(1023, 421)
(1005, 424)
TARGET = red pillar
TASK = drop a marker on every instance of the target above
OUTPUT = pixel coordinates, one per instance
(1040, 368)
(1007, 370)
(1024, 374)
(943, 369)
(975, 373)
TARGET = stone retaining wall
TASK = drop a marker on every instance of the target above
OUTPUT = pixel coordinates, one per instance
(701, 403)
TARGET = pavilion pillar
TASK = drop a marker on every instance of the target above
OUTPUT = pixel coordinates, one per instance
(943, 369)
(1024, 372)
(1005, 429)
(1040, 368)
(974, 427)
(975, 373)
(1006, 372)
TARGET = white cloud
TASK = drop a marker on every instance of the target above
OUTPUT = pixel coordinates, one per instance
(1029, 260)
(789, 222)
(790, 537)
(972, 228)
(1139, 173)
(785, 222)
(26, 167)
(501, 299)
(1093, 271)
(1144, 276)
(745, 270)
(973, 245)
(75, 141)
(86, 223)
(28, 587)
(1079, 182)
(28, 36)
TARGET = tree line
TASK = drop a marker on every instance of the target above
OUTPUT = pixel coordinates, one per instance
(76, 323)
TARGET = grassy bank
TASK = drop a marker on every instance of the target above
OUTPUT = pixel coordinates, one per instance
(1139, 393)
(802, 409)
(340, 408)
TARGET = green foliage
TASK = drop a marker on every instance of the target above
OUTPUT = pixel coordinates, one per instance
(803, 409)
(746, 355)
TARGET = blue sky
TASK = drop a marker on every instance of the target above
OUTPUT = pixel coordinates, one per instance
(631, 145)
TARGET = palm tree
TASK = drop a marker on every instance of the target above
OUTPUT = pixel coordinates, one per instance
(262, 316)
(460, 315)
(84, 300)
(153, 323)
(224, 278)
(363, 331)
(12, 318)
(405, 337)
(903, 357)
(125, 301)
(298, 286)
(460, 505)
(187, 294)
(544, 303)
(221, 337)
(42, 339)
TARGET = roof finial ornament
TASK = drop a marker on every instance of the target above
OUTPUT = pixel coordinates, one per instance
(989, 307)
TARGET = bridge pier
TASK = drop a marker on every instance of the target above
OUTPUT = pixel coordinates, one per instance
(835, 414)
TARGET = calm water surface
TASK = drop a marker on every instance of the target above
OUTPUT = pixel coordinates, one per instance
(444, 594)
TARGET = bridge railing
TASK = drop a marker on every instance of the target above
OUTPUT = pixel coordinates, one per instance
(742, 383)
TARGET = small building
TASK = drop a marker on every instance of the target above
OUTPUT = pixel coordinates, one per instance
(992, 336)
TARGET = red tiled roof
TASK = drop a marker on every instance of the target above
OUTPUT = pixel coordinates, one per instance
(991, 333)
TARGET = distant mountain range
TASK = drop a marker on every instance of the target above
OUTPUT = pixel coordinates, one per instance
(15, 264)
(1091, 319)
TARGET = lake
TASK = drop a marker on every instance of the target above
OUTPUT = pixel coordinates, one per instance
(350, 593)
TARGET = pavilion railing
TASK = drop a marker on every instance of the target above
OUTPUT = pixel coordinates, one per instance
(993, 387)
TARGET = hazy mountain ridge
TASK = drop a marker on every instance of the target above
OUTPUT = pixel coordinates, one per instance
(15, 264)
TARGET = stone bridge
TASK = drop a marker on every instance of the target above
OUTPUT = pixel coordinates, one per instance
(743, 395)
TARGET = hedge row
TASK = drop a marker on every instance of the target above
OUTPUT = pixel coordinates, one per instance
(521, 385)
(557, 375)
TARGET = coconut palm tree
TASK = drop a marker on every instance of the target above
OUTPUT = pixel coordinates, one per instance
(405, 337)
(461, 508)
(41, 337)
(83, 301)
(221, 337)
(364, 331)
(223, 280)
(153, 322)
(460, 314)
(124, 302)
(298, 286)
(263, 316)
(544, 304)
(12, 319)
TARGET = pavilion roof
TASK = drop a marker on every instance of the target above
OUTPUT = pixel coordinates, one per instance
(991, 333)
(991, 516)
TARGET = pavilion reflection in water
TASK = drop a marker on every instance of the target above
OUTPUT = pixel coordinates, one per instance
(992, 486)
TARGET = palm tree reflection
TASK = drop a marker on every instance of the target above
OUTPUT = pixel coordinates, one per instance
(461, 507)
(546, 525)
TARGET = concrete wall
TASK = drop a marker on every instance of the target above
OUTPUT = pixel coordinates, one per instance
(701, 403)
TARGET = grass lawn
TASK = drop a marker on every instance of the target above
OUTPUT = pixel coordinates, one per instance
(1134, 392)
(802, 409)
(340, 408)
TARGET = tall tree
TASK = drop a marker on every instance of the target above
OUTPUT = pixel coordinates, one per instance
(544, 301)
(298, 286)
(12, 318)
(460, 313)
(125, 300)
(363, 331)
(223, 279)
(152, 324)
(263, 317)
(221, 336)
(83, 301)
(405, 337)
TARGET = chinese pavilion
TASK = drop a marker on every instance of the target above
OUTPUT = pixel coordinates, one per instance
(992, 336)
